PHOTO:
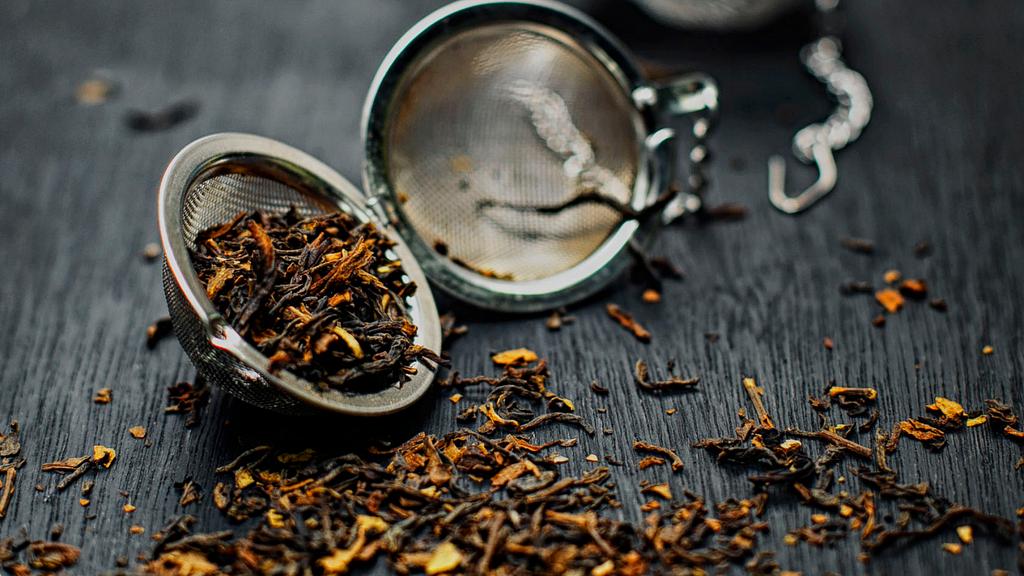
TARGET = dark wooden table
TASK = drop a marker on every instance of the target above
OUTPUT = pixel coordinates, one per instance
(939, 162)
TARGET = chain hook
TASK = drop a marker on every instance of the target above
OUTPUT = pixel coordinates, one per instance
(826, 162)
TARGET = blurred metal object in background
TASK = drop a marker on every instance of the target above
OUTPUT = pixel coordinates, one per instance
(722, 15)
(817, 141)
(823, 58)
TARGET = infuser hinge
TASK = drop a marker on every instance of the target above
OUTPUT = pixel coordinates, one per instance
(378, 206)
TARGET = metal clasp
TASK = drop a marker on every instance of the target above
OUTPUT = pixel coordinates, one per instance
(821, 153)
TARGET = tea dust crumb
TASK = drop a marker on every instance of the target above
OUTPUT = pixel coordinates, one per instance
(151, 252)
(157, 331)
(136, 529)
(987, 350)
(966, 533)
(916, 289)
(103, 396)
(890, 299)
(952, 548)
(828, 343)
(95, 91)
(892, 276)
(137, 431)
(455, 398)
(651, 296)
(128, 508)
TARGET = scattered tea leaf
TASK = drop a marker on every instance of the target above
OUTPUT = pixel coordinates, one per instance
(626, 320)
(517, 356)
(103, 396)
(162, 119)
(858, 245)
(890, 299)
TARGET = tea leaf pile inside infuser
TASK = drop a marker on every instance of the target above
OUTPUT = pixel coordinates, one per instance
(322, 297)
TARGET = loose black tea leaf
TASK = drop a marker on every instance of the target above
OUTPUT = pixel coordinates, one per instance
(158, 331)
(677, 462)
(151, 252)
(626, 320)
(859, 245)
(756, 393)
(450, 329)
(188, 399)
(190, 491)
(855, 287)
(162, 119)
(641, 376)
(317, 296)
(8, 474)
(723, 212)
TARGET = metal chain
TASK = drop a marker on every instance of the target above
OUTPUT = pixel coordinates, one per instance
(815, 143)
(692, 199)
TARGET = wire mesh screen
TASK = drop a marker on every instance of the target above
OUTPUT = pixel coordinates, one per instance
(219, 199)
(496, 121)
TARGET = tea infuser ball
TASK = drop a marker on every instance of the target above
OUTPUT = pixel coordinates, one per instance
(210, 182)
(482, 117)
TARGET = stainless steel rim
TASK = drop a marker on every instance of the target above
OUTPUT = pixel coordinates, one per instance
(201, 157)
(605, 263)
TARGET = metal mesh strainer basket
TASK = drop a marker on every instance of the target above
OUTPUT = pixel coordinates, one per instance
(483, 113)
(210, 182)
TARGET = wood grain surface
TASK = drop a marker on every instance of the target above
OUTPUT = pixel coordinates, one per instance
(940, 161)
